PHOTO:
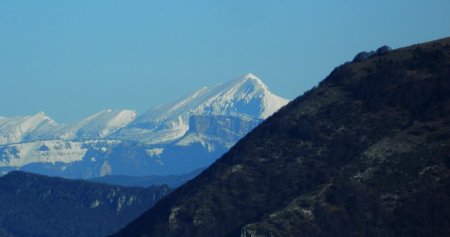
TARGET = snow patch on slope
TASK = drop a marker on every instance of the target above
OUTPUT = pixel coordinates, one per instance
(99, 125)
(155, 151)
(26, 128)
(43, 151)
(51, 151)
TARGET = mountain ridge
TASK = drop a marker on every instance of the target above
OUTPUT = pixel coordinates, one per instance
(177, 138)
(118, 119)
(234, 98)
(363, 154)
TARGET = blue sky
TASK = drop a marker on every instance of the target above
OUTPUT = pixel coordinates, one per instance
(71, 59)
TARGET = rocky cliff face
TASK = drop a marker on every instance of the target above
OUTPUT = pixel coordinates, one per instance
(221, 130)
(366, 153)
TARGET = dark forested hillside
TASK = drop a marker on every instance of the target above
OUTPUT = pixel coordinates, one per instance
(173, 181)
(366, 153)
(36, 205)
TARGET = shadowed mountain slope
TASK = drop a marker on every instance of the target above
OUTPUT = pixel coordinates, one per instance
(366, 153)
(37, 205)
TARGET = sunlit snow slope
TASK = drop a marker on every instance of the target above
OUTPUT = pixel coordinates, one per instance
(245, 97)
(175, 138)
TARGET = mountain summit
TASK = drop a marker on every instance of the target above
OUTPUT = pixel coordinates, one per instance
(17, 129)
(175, 138)
(246, 97)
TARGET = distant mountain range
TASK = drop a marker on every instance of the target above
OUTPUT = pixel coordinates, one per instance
(366, 153)
(176, 138)
(36, 205)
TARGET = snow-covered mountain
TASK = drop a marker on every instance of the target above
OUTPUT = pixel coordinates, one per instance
(41, 127)
(27, 128)
(175, 138)
(246, 98)
(99, 125)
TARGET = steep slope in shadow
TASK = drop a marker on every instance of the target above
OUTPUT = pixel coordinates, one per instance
(366, 153)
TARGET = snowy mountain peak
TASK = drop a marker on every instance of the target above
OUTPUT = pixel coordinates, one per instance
(98, 125)
(251, 76)
(201, 125)
(250, 97)
(239, 97)
(40, 113)
(246, 87)
(245, 97)
(17, 129)
(41, 127)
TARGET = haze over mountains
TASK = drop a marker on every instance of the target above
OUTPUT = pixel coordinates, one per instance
(170, 139)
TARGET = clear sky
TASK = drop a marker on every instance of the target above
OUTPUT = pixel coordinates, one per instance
(71, 59)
